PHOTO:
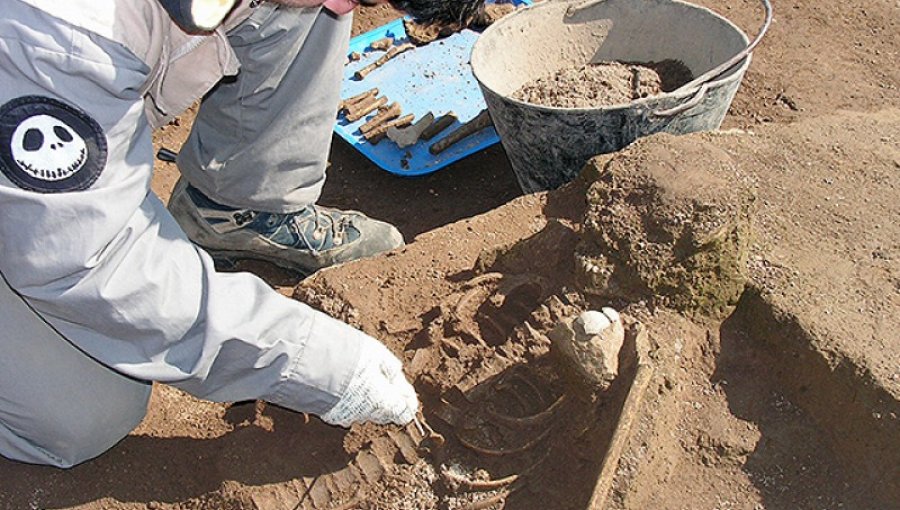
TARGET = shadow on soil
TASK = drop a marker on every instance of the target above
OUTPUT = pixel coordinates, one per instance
(249, 455)
(793, 464)
(472, 186)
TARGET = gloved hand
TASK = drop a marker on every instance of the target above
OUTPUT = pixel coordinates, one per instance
(378, 391)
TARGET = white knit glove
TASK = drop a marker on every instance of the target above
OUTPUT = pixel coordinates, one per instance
(378, 391)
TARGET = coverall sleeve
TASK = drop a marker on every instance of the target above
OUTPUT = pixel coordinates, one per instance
(108, 267)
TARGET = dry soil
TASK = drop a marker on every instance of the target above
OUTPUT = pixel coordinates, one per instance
(604, 84)
(787, 404)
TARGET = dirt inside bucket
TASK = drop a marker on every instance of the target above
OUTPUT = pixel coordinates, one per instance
(604, 84)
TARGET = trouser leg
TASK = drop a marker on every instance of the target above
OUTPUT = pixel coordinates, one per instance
(57, 405)
(261, 139)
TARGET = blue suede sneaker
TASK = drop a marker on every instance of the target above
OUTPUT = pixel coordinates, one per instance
(304, 241)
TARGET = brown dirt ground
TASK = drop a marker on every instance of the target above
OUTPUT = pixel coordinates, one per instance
(713, 433)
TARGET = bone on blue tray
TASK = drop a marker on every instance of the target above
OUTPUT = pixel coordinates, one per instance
(434, 78)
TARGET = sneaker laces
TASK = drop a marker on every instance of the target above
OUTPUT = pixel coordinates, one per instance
(324, 224)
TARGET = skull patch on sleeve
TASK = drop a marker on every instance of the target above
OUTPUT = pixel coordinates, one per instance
(48, 146)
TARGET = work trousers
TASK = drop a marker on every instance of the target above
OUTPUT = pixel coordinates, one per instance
(261, 139)
(101, 292)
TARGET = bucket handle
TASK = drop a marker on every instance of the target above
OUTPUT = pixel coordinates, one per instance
(701, 83)
(694, 101)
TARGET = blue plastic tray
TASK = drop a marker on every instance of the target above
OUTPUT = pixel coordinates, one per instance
(432, 78)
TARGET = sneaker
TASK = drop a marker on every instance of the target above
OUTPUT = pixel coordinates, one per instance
(305, 241)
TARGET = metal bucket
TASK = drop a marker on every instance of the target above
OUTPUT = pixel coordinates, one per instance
(548, 146)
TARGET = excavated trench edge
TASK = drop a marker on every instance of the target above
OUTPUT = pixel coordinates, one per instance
(857, 415)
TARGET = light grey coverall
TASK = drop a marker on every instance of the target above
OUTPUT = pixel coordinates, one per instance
(101, 292)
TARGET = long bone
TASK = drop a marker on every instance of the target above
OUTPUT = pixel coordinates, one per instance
(391, 53)
(481, 121)
(494, 452)
(358, 98)
(541, 418)
(630, 410)
(487, 502)
(364, 107)
(389, 112)
(457, 482)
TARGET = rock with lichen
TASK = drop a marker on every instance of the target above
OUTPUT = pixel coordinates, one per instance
(668, 221)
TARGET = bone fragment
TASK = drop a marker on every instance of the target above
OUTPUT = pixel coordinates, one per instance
(404, 137)
(389, 54)
(376, 135)
(358, 98)
(393, 52)
(481, 121)
(391, 112)
(439, 125)
(382, 44)
(500, 452)
(630, 411)
(363, 108)
(540, 419)
(486, 503)
(362, 73)
(457, 482)
(354, 56)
